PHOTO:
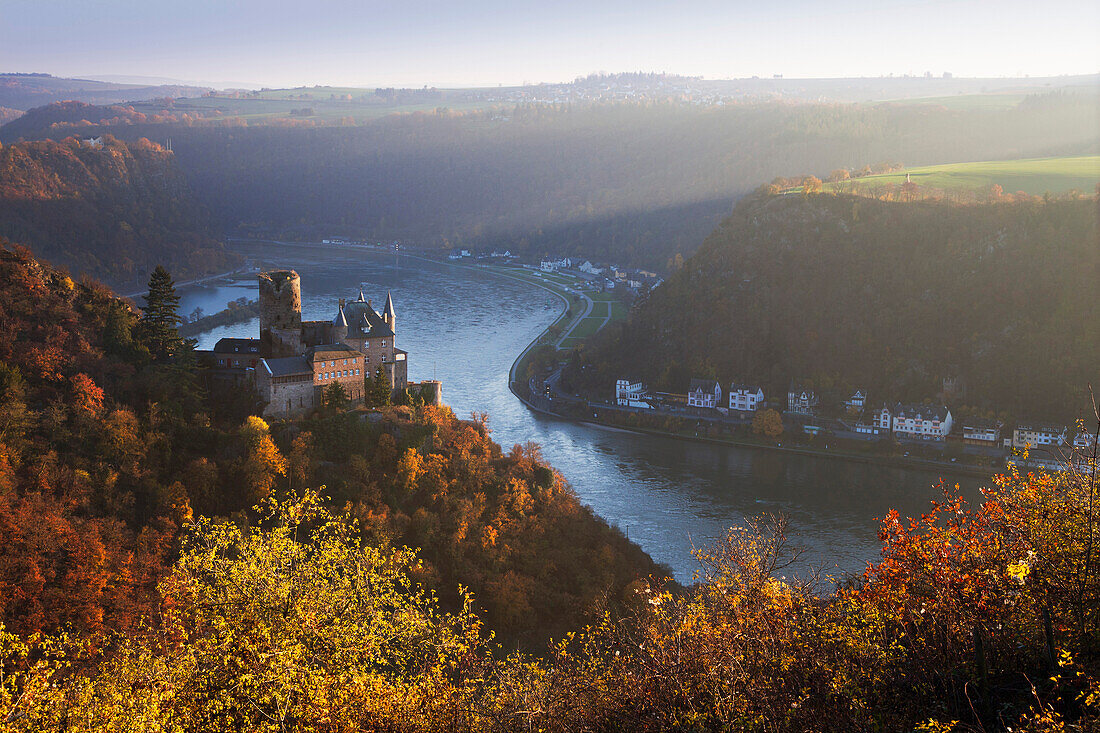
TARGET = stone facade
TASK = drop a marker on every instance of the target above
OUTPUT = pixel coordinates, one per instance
(294, 362)
(280, 313)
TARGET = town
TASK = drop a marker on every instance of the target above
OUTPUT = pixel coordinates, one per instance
(803, 411)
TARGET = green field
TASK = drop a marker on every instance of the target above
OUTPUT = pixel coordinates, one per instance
(599, 309)
(587, 327)
(1033, 175)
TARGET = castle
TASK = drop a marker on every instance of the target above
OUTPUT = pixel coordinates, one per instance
(294, 362)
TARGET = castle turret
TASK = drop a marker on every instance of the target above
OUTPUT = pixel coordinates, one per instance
(280, 313)
(361, 298)
(388, 314)
(339, 326)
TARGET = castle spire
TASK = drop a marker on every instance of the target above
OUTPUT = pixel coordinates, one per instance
(388, 315)
(361, 298)
(339, 321)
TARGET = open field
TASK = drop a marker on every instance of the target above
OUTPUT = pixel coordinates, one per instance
(969, 101)
(1033, 175)
(325, 104)
(599, 309)
(587, 327)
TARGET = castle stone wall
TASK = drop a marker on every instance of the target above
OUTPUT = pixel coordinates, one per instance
(280, 313)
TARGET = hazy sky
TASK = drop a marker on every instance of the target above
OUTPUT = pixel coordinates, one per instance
(474, 42)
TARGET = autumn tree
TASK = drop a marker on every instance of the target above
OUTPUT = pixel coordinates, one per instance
(767, 423)
(262, 463)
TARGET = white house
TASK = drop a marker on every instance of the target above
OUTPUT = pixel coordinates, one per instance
(745, 398)
(801, 401)
(553, 265)
(704, 393)
(923, 422)
(857, 401)
(590, 268)
(1084, 441)
(883, 418)
(1035, 435)
(631, 393)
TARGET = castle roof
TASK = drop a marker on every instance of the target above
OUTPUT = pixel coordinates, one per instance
(361, 298)
(339, 321)
(364, 322)
(287, 366)
(237, 346)
(388, 310)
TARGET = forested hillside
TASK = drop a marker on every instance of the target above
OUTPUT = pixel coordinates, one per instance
(108, 448)
(843, 292)
(165, 565)
(630, 182)
(112, 210)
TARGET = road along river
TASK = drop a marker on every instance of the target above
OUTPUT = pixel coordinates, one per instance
(465, 327)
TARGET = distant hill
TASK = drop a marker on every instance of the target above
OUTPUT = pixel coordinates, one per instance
(113, 210)
(842, 292)
(61, 119)
(24, 91)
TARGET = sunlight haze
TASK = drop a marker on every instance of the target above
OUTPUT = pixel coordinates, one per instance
(340, 42)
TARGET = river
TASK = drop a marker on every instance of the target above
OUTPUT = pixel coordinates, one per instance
(465, 328)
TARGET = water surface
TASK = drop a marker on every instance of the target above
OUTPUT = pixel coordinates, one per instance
(466, 327)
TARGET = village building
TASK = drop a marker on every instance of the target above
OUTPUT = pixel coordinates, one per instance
(801, 401)
(745, 398)
(857, 401)
(1036, 435)
(922, 422)
(985, 433)
(632, 393)
(883, 419)
(704, 393)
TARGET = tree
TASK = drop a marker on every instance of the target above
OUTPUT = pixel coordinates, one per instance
(336, 396)
(376, 391)
(160, 321)
(767, 423)
(262, 462)
(811, 184)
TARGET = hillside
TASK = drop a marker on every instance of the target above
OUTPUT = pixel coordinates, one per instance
(106, 454)
(629, 182)
(845, 292)
(112, 211)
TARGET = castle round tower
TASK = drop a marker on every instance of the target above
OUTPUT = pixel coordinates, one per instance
(280, 313)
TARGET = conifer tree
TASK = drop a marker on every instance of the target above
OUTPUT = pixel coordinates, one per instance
(160, 321)
(376, 390)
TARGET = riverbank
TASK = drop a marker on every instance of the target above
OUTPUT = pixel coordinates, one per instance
(800, 450)
(543, 407)
(247, 267)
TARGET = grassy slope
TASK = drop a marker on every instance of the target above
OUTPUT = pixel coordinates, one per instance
(1032, 175)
